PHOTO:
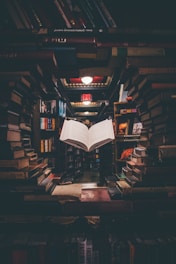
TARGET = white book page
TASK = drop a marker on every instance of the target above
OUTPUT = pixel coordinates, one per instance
(100, 132)
(74, 130)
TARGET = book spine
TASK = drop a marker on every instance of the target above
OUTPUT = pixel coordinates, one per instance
(77, 14)
(8, 175)
(10, 135)
(158, 70)
(42, 123)
(159, 85)
(13, 13)
(32, 55)
(46, 145)
(69, 14)
(53, 125)
(18, 153)
(111, 21)
(16, 97)
(142, 83)
(41, 15)
(99, 24)
(61, 11)
(21, 15)
(103, 17)
(25, 15)
(87, 13)
(144, 51)
(42, 146)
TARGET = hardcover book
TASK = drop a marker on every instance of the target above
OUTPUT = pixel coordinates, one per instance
(79, 135)
(10, 134)
(18, 164)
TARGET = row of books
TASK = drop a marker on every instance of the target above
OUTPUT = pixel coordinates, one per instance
(48, 106)
(47, 123)
(74, 162)
(35, 247)
(58, 15)
(47, 145)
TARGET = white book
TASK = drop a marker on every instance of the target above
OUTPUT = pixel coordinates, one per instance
(79, 135)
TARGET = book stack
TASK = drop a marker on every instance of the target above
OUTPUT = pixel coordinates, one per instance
(156, 112)
(12, 152)
(150, 171)
(48, 125)
(20, 166)
(45, 15)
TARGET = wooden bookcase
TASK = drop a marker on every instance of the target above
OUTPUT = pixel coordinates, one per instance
(126, 137)
(73, 162)
(49, 129)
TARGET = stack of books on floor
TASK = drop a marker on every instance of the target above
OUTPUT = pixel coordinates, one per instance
(149, 173)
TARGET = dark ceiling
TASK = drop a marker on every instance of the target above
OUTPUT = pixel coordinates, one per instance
(63, 57)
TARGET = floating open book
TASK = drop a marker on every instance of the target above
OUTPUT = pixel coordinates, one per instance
(79, 135)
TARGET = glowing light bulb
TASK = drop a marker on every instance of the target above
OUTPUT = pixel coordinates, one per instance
(86, 79)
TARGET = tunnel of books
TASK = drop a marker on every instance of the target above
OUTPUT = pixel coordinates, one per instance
(54, 204)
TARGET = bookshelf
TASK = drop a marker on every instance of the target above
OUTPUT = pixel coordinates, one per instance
(46, 132)
(20, 164)
(125, 116)
(153, 216)
(73, 163)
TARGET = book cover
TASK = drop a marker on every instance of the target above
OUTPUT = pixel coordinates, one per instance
(79, 135)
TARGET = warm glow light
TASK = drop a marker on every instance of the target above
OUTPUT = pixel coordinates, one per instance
(86, 102)
(86, 98)
(87, 79)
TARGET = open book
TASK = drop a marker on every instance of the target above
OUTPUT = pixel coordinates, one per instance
(79, 135)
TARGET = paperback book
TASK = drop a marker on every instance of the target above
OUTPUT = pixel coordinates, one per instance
(79, 135)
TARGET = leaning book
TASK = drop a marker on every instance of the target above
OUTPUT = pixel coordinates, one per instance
(80, 136)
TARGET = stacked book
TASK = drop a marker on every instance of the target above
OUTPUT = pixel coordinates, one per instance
(21, 169)
(59, 15)
(156, 112)
(150, 171)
